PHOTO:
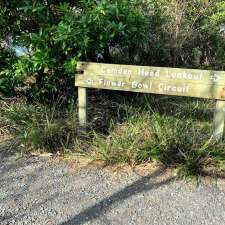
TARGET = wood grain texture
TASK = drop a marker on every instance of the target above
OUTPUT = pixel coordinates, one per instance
(219, 119)
(158, 80)
(82, 107)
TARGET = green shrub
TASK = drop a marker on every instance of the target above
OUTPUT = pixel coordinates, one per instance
(7, 80)
(57, 34)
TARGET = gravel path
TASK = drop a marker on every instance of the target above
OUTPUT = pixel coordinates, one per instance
(45, 192)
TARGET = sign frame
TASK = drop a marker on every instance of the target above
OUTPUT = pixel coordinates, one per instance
(153, 80)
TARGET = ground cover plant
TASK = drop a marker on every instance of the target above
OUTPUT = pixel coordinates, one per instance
(176, 133)
(40, 44)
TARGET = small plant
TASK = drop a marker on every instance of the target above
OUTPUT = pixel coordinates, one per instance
(123, 142)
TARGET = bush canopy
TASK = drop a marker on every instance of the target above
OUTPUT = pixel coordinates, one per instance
(42, 40)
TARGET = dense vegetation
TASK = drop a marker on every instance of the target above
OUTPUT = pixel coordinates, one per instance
(54, 35)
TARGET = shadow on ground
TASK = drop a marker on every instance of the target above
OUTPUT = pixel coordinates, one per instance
(35, 175)
(5, 150)
(142, 185)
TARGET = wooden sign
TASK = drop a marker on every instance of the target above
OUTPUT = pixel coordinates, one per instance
(158, 80)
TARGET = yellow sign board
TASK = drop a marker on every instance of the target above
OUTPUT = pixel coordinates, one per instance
(158, 80)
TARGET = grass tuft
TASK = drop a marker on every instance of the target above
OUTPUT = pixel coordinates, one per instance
(39, 127)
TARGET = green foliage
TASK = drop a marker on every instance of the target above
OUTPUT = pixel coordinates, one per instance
(58, 34)
(174, 137)
(192, 35)
(175, 132)
(7, 80)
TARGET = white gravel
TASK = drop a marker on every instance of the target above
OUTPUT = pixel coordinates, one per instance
(46, 192)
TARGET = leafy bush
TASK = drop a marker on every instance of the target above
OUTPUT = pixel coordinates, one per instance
(58, 34)
(7, 81)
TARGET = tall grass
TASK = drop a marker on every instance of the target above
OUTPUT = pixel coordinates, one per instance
(124, 128)
(39, 127)
(174, 131)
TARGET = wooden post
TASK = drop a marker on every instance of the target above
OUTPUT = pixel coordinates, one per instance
(219, 119)
(82, 108)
